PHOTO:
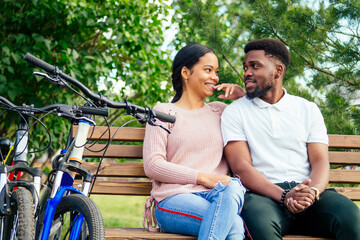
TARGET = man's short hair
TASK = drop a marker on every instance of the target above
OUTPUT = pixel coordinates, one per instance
(271, 47)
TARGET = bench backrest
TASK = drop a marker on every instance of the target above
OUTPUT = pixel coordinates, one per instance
(128, 178)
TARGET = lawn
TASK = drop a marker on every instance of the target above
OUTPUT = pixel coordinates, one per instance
(123, 211)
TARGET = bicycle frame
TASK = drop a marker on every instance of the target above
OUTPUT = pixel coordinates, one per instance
(20, 162)
(7, 184)
(60, 187)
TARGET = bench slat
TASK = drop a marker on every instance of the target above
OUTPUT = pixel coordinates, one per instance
(347, 158)
(112, 233)
(124, 134)
(113, 187)
(298, 237)
(113, 151)
(136, 170)
(127, 169)
(135, 151)
(352, 193)
(140, 233)
(137, 134)
(344, 141)
(344, 176)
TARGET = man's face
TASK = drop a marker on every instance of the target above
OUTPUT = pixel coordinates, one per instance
(259, 73)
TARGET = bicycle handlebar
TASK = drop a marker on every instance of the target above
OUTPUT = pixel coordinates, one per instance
(97, 98)
(67, 111)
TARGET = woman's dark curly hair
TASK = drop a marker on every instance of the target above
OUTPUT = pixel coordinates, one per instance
(187, 57)
(271, 47)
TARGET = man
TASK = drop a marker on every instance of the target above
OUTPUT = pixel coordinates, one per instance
(278, 145)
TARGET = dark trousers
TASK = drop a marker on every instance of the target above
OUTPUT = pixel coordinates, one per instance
(333, 216)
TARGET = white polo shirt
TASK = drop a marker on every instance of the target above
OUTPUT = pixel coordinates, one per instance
(277, 134)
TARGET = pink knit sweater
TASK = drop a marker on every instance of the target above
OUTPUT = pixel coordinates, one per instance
(194, 145)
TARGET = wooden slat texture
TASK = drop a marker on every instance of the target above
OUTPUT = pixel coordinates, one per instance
(114, 151)
(352, 193)
(298, 237)
(350, 158)
(127, 169)
(344, 141)
(135, 151)
(124, 134)
(344, 176)
(136, 170)
(111, 187)
(141, 233)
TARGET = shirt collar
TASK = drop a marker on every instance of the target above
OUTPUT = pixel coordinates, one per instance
(280, 105)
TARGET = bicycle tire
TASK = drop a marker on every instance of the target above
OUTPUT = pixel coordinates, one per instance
(69, 208)
(20, 225)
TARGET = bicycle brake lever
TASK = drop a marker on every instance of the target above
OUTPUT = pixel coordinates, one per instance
(56, 81)
(152, 123)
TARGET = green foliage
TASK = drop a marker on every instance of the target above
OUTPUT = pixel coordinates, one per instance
(322, 36)
(108, 40)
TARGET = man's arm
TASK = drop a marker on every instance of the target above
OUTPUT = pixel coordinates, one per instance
(238, 156)
(319, 161)
(319, 178)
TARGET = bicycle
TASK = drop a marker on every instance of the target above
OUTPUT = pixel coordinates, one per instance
(17, 197)
(142, 114)
(83, 211)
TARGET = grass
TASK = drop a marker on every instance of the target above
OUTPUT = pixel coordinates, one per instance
(121, 211)
(124, 211)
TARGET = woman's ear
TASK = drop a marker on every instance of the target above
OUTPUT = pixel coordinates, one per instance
(185, 73)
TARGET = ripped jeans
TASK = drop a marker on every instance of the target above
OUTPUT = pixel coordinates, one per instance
(213, 214)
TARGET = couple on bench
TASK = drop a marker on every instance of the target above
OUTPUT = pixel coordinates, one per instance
(259, 164)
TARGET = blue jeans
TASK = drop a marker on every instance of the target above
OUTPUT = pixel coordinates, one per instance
(213, 214)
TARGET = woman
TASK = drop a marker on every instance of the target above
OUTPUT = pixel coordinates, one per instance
(193, 191)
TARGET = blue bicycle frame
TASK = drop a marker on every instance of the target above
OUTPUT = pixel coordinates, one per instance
(63, 183)
(51, 206)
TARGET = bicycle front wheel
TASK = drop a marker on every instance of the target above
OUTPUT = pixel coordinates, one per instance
(69, 211)
(20, 225)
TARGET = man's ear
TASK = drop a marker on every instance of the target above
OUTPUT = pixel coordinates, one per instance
(185, 73)
(279, 70)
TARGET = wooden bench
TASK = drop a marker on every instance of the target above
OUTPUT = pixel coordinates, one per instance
(128, 178)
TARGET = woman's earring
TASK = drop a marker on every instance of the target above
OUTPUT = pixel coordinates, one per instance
(186, 80)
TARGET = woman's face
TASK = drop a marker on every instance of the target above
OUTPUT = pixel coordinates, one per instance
(203, 76)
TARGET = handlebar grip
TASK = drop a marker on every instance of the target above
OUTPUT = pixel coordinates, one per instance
(164, 117)
(94, 111)
(39, 63)
(6, 101)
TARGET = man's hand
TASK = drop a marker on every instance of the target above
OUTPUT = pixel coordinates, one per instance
(232, 91)
(300, 197)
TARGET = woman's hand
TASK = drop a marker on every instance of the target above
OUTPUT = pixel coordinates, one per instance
(211, 180)
(232, 91)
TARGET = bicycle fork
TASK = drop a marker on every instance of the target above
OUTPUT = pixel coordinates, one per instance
(63, 182)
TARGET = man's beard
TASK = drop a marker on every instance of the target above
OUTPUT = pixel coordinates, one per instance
(258, 92)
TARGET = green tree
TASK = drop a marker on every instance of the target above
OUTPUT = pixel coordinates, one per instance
(105, 40)
(322, 36)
